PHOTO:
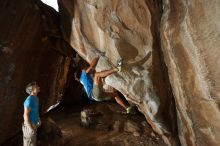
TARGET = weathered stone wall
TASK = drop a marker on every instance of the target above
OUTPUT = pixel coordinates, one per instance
(31, 49)
(128, 30)
(190, 36)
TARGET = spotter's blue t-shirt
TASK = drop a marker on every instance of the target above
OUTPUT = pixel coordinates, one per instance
(32, 102)
(87, 82)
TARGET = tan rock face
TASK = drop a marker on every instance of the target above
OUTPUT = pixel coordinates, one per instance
(128, 30)
(28, 52)
(32, 48)
(191, 39)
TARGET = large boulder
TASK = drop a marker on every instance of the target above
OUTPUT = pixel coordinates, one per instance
(190, 37)
(128, 30)
(31, 49)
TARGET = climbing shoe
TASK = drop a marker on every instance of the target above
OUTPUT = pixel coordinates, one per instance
(119, 65)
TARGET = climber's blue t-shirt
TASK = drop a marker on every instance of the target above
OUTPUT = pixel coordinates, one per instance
(32, 102)
(87, 82)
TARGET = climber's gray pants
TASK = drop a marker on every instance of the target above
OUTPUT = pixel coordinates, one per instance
(99, 95)
(29, 136)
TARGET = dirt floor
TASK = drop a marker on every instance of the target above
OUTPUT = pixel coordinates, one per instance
(105, 124)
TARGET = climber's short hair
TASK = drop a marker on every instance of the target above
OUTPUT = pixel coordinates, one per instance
(29, 87)
(77, 74)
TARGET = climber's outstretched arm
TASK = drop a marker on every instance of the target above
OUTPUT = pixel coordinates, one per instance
(92, 65)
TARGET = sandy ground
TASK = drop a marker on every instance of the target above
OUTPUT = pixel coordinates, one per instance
(108, 126)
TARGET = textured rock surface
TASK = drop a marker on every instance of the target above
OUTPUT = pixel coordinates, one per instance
(31, 49)
(190, 36)
(124, 29)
